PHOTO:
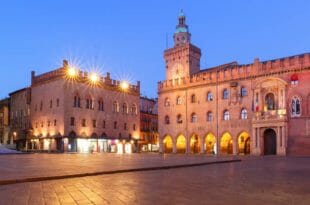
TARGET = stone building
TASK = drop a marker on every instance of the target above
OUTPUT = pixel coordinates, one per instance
(257, 108)
(20, 127)
(4, 121)
(148, 124)
(75, 111)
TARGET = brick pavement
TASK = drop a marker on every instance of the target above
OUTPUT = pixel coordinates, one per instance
(14, 167)
(262, 180)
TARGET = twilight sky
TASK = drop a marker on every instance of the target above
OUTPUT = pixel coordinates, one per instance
(127, 38)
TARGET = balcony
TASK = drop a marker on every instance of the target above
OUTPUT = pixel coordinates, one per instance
(270, 115)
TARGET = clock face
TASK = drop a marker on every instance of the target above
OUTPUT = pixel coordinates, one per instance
(177, 71)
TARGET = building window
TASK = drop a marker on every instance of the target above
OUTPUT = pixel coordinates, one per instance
(134, 109)
(100, 105)
(115, 106)
(125, 108)
(179, 100)
(51, 103)
(179, 119)
(94, 123)
(193, 98)
(225, 94)
(115, 125)
(243, 91)
(103, 124)
(226, 115)
(57, 102)
(209, 116)
(48, 123)
(167, 102)
(83, 122)
(55, 122)
(244, 114)
(125, 126)
(134, 126)
(209, 96)
(167, 120)
(89, 103)
(270, 101)
(41, 106)
(193, 117)
(77, 101)
(42, 124)
(296, 105)
(36, 125)
(72, 121)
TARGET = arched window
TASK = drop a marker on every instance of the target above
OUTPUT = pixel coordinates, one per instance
(179, 100)
(225, 94)
(115, 106)
(167, 102)
(89, 103)
(179, 119)
(296, 107)
(243, 91)
(244, 113)
(125, 108)
(77, 100)
(193, 117)
(100, 105)
(209, 96)
(167, 120)
(193, 98)
(226, 115)
(134, 109)
(209, 116)
(270, 101)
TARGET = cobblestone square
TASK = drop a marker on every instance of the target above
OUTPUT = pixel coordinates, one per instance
(254, 180)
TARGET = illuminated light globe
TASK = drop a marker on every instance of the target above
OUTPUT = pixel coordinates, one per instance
(124, 85)
(72, 72)
(94, 78)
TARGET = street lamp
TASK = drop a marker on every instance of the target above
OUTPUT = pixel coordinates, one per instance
(124, 85)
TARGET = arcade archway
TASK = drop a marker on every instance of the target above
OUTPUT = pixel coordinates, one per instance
(210, 142)
(181, 144)
(244, 143)
(226, 144)
(168, 144)
(195, 144)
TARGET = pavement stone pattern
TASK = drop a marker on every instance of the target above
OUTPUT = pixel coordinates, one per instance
(255, 180)
(45, 165)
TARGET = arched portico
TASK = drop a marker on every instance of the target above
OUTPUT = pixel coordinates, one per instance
(244, 143)
(226, 144)
(167, 144)
(181, 144)
(195, 144)
(210, 143)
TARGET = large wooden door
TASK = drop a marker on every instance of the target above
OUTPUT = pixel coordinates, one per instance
(270, 142)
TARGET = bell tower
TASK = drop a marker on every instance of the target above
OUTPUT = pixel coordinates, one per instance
(183, 59)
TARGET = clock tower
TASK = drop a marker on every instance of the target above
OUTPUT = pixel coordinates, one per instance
(183, 59)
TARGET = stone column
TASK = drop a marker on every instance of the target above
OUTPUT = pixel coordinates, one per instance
(279, 148)
(235, 146)
(258, 141)
(161, 148)
(188, 148)
(174, 148)
(283, 136)
(202, 147)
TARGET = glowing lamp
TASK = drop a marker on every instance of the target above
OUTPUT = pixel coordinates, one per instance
(72, 72)
(124, 85)
(94, 78)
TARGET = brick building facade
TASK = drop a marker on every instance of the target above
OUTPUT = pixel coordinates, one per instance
(257, 108)
(4, 121)
(72, 110)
